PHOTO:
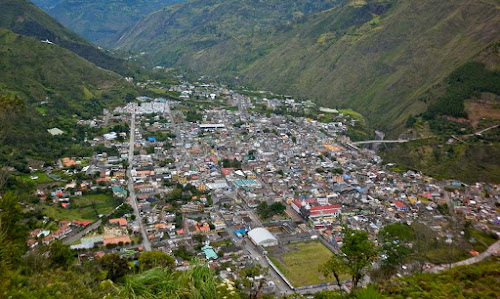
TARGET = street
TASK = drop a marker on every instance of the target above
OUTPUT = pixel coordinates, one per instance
(133, 200)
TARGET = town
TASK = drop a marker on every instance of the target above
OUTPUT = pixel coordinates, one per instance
(245, 178)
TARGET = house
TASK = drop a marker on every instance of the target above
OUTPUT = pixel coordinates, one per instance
(209, 252)
(119, 192)
(117, 240)
(82, 223)
(55, 131)
(119, 221)
(202, 228)
(400, 206)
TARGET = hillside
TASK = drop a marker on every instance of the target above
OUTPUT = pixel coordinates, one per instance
(101, 22)
(52, 84)
(23, 17)
(466, 102)
(377, 57)
(185, 28)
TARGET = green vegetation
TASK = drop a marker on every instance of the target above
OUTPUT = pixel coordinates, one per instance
(101, 22)
(23, 17)
(354, 54)
(301, 264)
(266, 211)
(197, 282)
(466, 158)
(471, 162)
(87, 207)
(228, 163)
(153, 259)
(479, 240)
(42, 178)
(360, 130)
(476, 281)
(42, 75)
(358, 254)
(472, 78)
(479, 280)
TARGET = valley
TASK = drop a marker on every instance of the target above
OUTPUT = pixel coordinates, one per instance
(249, 149)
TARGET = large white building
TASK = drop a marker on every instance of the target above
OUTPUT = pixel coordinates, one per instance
(261, 236)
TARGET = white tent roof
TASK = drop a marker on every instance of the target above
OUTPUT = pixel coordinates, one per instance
(261, 235)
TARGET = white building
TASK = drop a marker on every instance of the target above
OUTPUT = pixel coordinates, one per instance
(261, 236)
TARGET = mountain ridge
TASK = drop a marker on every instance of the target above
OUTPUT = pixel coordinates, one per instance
(100, 21)
(25, 18)
(377, 57)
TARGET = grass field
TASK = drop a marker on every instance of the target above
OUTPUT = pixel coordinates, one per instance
(83, 208)
(301, 263)
(42, 178)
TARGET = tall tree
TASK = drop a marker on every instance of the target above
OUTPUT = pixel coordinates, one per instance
(152, 259)
(60, 255)
(334, 266)
(116, 266)
(359, 253)
(394, 240)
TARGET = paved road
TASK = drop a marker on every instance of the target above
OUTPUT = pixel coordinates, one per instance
(249, 249)
(407, 140)
(85, 231)
(133, 200)
(380, 141)
(494, 248)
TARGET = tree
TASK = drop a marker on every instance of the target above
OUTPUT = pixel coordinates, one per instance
(334, 266)
(116, 266)
(359, 253)
(266, 211)
(10, 107)
(198, 237)
(60, 255)
(394, 239)
(13, 234)
(152, 259)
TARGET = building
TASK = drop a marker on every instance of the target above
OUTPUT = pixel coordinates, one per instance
(209, 252)
(211, 126)
(311, 209)
(400, 206)
(262, 237)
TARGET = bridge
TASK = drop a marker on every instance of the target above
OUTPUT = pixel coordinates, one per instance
(381, 141)
(478, 133)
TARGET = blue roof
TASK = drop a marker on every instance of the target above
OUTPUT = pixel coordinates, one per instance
(241, 231)
(242, 183)
(209, 252)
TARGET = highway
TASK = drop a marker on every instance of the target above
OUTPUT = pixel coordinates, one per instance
(133, 199)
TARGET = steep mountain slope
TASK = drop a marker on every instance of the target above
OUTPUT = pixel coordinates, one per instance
(23, 17)
(101, 22)
(463, 123)
(40, 70)
(375, 56)
(188, 27)
(53, 84)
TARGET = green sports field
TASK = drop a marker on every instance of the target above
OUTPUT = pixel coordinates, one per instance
(300, 263)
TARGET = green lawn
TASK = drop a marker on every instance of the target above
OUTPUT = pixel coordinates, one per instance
(83, 208)
(301, 264)
(42, 178)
